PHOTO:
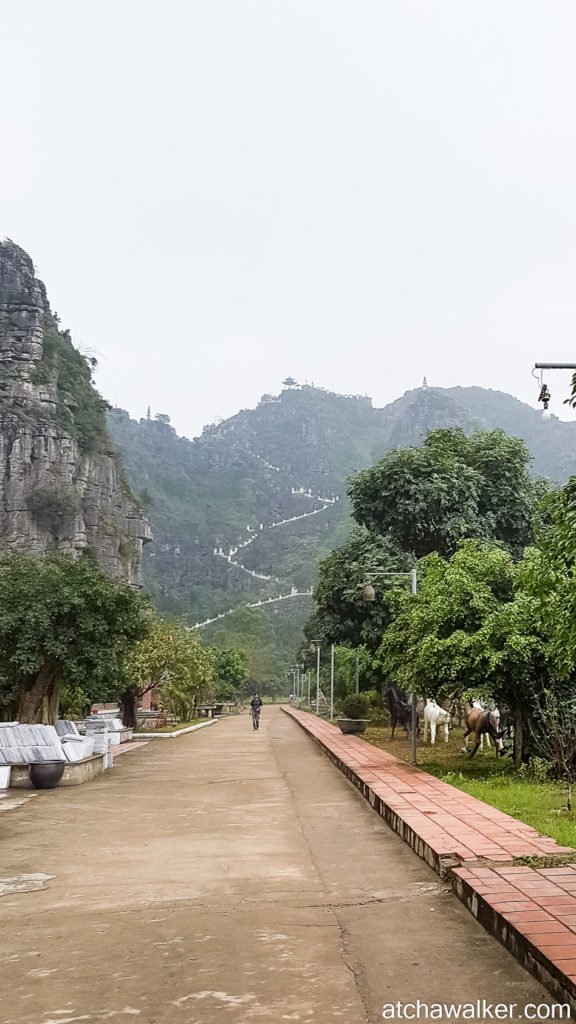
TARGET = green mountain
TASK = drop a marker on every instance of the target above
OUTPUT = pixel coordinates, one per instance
(245, 511)
(243, 514)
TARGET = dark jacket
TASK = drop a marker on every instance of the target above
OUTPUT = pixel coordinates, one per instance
(256, 703)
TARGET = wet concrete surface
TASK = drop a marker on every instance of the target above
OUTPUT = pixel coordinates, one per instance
(228, 877)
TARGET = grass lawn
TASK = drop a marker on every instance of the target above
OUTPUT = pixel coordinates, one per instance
(173, 728)
(491, 779)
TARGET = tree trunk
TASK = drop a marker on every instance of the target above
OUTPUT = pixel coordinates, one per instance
(39, 703)
(129, 705)
(518, 738)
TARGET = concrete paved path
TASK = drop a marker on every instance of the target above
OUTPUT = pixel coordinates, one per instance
(229, 877)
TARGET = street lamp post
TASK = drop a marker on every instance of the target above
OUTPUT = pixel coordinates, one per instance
(317, 643)
(318, 679)
(369, 594)
(332, 683)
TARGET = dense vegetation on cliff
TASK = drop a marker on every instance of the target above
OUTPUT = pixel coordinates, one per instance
(62, 487)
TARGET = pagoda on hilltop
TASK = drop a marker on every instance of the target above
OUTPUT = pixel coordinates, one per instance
(290, 383)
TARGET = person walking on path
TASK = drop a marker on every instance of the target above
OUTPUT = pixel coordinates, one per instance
(255, 705)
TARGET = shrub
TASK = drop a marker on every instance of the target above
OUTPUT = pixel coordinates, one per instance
(354, 706)
(538, 769)
(53, 505)
(555, 737)
(377, 709)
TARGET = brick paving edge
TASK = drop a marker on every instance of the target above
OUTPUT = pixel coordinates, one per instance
(526, 952)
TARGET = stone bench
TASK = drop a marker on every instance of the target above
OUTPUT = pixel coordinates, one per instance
(206, 710)
(75, 773)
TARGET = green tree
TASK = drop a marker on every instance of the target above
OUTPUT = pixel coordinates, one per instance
(472, 629)
(552, 580)
(435, 642)
(252, 632)
(452, 487)
(230, 672)
(341, 615)
(170, 659)
(62, 622)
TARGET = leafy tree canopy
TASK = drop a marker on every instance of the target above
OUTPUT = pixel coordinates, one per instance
(473, 629)
(452, 487)
(435, 643)
(550, 578)
(62, 622)
(231, 673)
(342, 616)
(170, 659)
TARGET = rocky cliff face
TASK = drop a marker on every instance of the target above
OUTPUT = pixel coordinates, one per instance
(61, 482)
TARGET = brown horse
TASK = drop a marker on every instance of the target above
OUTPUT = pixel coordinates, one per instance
(480, 723)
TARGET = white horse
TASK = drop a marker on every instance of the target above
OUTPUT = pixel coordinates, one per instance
(435, 717)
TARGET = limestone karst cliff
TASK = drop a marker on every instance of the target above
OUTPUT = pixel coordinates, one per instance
(61, 482)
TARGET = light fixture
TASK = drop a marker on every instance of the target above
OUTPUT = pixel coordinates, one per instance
(368, 594)
(545, 397)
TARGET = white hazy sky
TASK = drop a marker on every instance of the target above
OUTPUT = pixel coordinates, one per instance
(219, 193)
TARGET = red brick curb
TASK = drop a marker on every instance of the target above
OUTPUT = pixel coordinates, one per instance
(531, 911)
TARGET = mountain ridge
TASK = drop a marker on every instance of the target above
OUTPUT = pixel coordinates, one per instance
(245, 510)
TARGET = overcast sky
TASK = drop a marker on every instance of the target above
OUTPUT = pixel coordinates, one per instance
(219, 193)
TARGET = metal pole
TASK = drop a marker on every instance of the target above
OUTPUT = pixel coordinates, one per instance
(555, 366)
(414, 588)
(297, 680)
(357, 676)
(318, 680)
(308, 674)
(332, 683)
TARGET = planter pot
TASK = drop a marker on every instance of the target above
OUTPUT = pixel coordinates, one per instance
(46, 774)
(353, 725)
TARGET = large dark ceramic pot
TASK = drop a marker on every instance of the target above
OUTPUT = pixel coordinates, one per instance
(353, 725)
(46, 774)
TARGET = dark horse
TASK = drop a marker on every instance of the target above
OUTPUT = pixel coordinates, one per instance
(400, 709)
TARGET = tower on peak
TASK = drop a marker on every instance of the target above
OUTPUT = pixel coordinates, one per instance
(424, 383)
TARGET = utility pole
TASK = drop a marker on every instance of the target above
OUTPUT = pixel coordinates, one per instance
(357, 673)
(414, 589)
(369, 595)
(332, 683)
(318, 680)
